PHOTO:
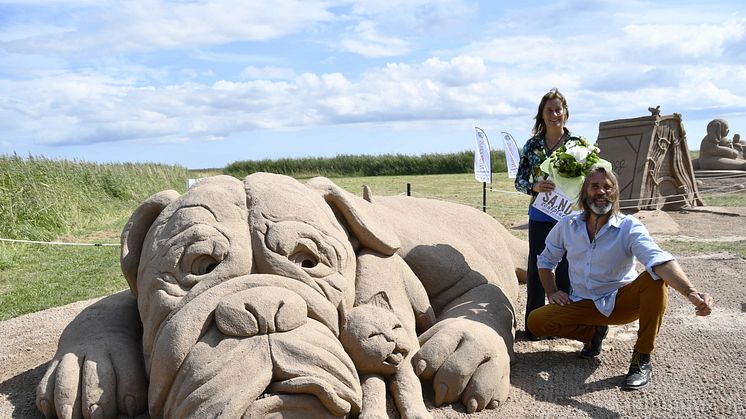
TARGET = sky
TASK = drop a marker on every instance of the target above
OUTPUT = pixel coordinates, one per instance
(203, 84)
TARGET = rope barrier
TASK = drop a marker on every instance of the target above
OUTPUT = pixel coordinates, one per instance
(701, 195)
(506, 192)
(686, 197)
(59, 243)
(725, 176)
(667, 201)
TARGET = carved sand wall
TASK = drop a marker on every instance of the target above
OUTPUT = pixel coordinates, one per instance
(651, 158)
(269, 297)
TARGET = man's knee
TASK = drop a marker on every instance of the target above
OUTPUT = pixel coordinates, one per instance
(537, 321)
(649, 284)
(654, 292)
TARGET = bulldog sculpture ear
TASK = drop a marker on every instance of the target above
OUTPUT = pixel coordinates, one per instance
(136, 229)
(359, 216)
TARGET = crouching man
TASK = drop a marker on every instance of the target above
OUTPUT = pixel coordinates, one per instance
(601, 246)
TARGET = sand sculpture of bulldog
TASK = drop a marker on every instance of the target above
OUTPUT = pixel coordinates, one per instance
(242, 288)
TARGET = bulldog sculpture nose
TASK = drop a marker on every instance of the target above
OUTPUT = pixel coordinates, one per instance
(260, 310)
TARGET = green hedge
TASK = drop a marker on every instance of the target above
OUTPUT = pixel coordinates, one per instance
(358, 165)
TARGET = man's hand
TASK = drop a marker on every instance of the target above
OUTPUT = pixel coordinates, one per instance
(559, 297)
(702, 302)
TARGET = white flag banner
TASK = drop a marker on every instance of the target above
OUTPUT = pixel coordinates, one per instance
(512, 156)
(482, 162)
(555, 204)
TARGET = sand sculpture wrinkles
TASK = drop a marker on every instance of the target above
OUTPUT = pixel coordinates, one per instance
(268, 296)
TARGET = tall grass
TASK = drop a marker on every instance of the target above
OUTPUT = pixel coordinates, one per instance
(42, 199)
(380, 165)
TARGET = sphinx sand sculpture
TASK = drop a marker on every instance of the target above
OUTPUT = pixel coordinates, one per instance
(717, 151)
(246, 296)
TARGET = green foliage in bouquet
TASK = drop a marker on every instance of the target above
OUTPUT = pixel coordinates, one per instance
(574, 158)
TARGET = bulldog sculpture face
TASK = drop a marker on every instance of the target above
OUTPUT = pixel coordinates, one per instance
(253, 282)
(241, 288)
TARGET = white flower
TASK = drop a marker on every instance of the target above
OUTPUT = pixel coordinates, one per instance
(579, 153)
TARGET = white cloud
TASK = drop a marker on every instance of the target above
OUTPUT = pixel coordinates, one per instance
(268, 72)
(146, 25)
(700, 40)
(72, 109)
(394, 28)
(19, 31)
(366, 41)
(417, 15)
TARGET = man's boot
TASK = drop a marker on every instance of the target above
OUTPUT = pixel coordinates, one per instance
(640, 370)
(593, 348)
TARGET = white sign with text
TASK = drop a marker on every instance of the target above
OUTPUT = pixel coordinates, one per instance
(482, 158)
(555, 204)
(512, 156)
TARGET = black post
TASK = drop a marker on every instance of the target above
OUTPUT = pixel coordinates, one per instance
(409, 189)
(484, 196)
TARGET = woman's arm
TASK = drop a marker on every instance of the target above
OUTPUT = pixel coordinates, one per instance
(523, 181)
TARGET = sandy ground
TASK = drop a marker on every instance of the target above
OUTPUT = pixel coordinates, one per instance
(699, 368)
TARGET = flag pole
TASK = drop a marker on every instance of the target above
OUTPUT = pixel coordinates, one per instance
(484, 196)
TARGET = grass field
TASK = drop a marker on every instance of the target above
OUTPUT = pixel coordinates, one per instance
(503, 202)
(34, 277)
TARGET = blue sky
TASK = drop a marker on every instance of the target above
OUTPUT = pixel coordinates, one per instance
(206, 83)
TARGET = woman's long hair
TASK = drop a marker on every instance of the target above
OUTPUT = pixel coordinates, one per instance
(613, 195)
(539, 127)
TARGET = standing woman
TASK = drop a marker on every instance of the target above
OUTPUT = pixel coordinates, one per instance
(549, 133)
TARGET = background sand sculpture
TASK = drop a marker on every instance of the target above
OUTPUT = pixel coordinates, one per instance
(650, 156)
(717, 151)
(242, 318)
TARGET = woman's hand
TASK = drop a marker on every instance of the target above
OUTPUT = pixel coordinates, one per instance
(543, 186)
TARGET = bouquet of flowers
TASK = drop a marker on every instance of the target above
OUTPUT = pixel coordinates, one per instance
(569, 163)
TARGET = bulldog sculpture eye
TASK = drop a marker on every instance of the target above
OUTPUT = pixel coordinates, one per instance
(201, 258)
(305, 259)
(304, 247)
(313, 256)
(204, 264)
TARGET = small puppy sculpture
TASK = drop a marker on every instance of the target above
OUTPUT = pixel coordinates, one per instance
(380, 334)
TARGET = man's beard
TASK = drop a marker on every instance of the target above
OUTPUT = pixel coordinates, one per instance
(599, 210)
